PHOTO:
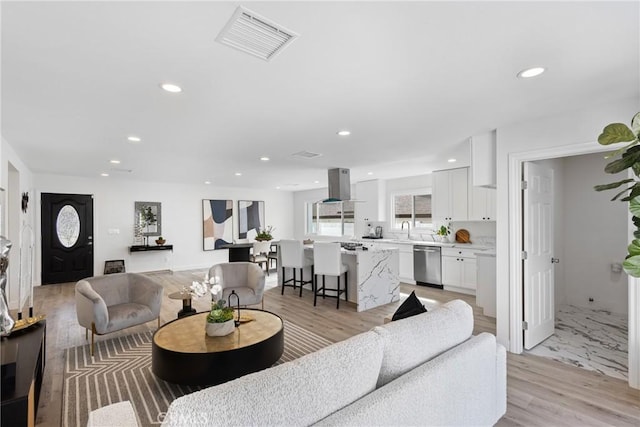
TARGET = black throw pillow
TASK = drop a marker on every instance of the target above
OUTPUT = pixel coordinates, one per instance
(410, 307)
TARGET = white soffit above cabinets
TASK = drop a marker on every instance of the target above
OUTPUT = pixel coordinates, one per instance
(258, 36)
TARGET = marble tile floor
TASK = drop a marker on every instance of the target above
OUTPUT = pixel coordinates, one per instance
(591, 339)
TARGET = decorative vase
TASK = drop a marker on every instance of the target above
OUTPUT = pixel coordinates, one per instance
(160, 242)
(220, 329)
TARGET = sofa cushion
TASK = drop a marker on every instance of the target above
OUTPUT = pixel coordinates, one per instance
(409, 307)
(300, 392)
(119, 414)
(412, 341)
(457, 388)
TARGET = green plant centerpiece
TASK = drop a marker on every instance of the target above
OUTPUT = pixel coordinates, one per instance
(219, 313)
(627, 157)
(444, 231)
(265, 234)
(220, 320)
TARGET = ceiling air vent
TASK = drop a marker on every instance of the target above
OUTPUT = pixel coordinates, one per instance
(251, 33)
(306, 154)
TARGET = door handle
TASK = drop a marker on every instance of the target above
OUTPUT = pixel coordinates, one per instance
(555, 260)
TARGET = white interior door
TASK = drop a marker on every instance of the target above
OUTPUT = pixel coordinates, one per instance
(538, 264)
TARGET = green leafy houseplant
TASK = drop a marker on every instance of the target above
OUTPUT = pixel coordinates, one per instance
(626, 157)
(219, 313)
(443, 231)
(265, 234)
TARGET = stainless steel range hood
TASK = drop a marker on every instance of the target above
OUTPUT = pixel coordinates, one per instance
(339, 185)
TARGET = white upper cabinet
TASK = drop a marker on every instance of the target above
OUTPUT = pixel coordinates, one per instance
(482, 204)
(483, 160)
(371, 205)
(450, 192)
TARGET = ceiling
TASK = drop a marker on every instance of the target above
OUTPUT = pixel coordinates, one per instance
(411, 81)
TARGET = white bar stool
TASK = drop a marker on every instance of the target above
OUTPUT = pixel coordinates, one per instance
(327, 259)
(292, 256)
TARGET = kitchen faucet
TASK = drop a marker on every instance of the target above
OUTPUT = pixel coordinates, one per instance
(408, 228)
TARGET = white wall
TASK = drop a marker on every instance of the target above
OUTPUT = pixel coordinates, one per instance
(14, 219)
(181, 218)
(561, 130)
(595, 236)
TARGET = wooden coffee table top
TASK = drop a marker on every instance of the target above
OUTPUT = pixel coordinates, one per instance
(187, 335)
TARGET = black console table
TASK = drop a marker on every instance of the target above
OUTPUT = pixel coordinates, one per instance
(238, 252)
(20, 397)
(143, 248)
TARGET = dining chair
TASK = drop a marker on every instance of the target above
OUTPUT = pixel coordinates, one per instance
(259, 255)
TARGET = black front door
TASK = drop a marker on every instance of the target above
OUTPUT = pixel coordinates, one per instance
(67, 237)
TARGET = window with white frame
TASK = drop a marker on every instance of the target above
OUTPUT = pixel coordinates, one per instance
(330, 219)
(415, 208)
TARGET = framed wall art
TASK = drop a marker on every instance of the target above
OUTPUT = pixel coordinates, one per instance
(217, 223)
(250, 218)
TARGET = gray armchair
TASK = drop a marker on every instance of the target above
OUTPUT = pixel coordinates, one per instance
(246, 278)
(117, 301)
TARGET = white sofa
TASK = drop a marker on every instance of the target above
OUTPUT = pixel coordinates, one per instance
(424, 370)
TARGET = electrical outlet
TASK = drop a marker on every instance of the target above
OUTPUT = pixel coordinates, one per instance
(590, 299)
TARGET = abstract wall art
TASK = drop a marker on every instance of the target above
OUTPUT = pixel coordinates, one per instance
(217, 226)
(250, 218)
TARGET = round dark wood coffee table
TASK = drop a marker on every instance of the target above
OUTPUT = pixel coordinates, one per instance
(182, 353)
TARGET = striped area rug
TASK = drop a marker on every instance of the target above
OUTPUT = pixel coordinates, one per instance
(121, 370)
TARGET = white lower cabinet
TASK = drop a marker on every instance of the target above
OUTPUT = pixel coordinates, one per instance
(459, 268)
(405, 252)
(406, 262)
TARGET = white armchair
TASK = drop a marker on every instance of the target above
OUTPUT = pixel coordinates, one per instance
(117, 301)
(246, 278)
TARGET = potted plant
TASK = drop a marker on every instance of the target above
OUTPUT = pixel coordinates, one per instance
(629, 158)
(160, 241)
(444, 232)
(265, 234)
(220, 320)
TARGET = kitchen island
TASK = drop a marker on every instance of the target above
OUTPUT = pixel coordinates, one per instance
(372, 277)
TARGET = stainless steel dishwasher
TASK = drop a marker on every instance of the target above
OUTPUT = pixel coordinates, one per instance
(427, 266)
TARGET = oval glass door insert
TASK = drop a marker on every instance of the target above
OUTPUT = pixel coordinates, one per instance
(68, 226)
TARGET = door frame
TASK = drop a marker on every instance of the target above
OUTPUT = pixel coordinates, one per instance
(515, 244)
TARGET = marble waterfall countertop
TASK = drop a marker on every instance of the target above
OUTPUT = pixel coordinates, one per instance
(373, 276)
(478, 246)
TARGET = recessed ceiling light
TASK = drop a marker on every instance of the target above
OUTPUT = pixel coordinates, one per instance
(264, 158)
(531, 72)
(316, 182)
(277, 188)
(452, 160)
(369, 173)
(134, 138)
(207, 182)
(344, 133)
(170, 87)
(114, 161)
(238, 174)
(104, 174)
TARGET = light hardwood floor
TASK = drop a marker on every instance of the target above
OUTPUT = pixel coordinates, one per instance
(541, 392)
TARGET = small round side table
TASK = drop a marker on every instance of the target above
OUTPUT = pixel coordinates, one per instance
(185, 296)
